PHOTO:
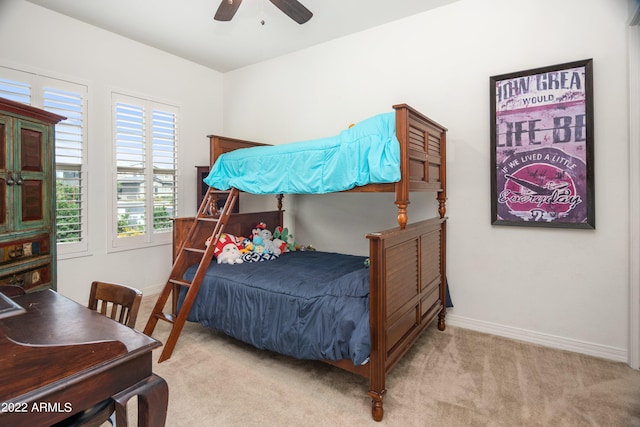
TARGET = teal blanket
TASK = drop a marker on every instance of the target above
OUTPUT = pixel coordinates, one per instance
(363, 154)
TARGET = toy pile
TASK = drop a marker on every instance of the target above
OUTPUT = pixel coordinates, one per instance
(262, 245)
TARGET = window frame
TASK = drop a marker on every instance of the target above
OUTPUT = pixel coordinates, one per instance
(149, 238)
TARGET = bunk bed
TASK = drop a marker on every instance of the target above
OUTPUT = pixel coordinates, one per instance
(400, 288)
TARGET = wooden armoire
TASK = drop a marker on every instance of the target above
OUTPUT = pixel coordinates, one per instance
(27, 196)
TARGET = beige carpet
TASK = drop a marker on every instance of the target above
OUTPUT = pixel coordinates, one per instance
(452, 378)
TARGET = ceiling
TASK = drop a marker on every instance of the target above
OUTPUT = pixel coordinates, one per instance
(187, 28)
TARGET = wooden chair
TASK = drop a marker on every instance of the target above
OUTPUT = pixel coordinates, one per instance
(120, 303)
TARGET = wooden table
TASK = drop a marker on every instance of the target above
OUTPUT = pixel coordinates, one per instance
(59, 358)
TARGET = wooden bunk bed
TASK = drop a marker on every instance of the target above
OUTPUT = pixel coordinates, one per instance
(407, 273)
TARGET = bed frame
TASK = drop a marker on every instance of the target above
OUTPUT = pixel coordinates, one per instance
(408, 263)
(422, 159)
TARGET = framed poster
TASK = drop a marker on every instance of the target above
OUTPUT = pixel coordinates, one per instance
(542, 147)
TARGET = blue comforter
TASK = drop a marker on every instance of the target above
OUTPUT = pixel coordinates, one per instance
(363, 154)
(309, 305)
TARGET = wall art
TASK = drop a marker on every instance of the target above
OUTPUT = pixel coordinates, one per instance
(542, 147)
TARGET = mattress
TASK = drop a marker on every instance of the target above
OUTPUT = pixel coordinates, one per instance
(304, 304)
(367, 153)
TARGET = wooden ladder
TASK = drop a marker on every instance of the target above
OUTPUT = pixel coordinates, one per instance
(193, 250)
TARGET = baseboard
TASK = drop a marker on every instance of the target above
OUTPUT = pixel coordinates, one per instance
(591, 349)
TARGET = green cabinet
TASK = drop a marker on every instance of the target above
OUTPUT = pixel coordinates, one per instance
(27, 196)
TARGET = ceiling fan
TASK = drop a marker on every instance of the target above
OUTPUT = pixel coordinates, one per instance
(292, 8)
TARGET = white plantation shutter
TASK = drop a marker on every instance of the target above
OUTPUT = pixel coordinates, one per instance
(145, 158)
(15, 90)
(164, 169)
(130, 160)
(71, 214)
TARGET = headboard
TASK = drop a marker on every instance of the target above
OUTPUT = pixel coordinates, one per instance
(221, 144)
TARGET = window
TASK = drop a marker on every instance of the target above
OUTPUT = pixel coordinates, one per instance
(67, 99)
(70, 214)
(15, 90)
(145, 137)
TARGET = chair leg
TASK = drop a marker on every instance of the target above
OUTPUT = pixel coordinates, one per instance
(121, 415)
(153, 399)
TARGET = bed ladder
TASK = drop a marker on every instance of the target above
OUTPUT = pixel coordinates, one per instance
(193, 250)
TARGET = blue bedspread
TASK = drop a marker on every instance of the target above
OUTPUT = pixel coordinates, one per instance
(363, 154)
(309, 305)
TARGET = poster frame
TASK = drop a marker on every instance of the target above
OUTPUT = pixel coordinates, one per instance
(542, 122)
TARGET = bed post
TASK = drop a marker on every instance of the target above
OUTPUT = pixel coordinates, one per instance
(279, 197)
(443, 271)
(442, 195)
(377, 324)
(402, 186)
(442, 210)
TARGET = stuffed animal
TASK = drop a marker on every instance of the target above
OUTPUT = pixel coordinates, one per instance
(227, 250)
(280, 244)
(283, 239)
(247, 246)
(230, 254)
(257, 228)
(267, 240)
(258, 245)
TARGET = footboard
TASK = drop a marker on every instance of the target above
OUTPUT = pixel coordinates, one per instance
(407, 292)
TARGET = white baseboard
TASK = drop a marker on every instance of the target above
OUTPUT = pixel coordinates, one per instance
(591, 349)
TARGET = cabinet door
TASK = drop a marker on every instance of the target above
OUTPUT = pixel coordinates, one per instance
(31, 200)
(6, 207)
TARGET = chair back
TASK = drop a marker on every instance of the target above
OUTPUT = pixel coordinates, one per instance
(119, 302)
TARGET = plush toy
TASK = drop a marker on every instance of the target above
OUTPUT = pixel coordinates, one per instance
(247, 246)
(283, 239)
(267, 239)
(258, 245)
(280, 238)
(261, 245)
(280, 244)
(230, 254)
(257, 228)
(227, 250)
(269, 244)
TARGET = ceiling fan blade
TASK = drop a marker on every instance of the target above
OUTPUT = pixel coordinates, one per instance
(294, 9)
(227, 9)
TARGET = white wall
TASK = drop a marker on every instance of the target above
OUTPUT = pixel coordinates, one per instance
(560, 287)
(566, 288)
(43, 41)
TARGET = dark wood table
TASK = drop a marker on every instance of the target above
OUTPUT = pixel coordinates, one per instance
(58, 358)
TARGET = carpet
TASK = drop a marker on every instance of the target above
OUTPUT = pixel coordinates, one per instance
(453, 378)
